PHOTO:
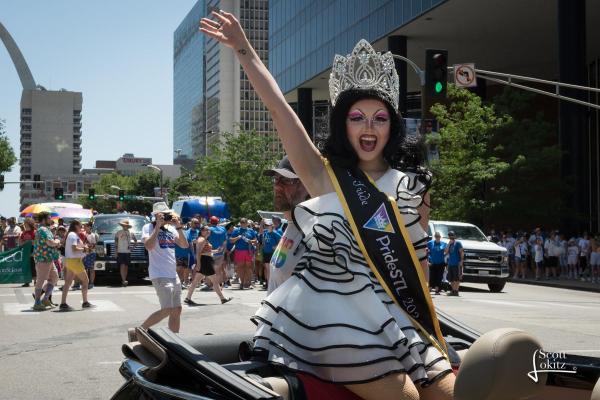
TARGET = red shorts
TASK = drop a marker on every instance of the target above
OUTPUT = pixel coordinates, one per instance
(317, 389)
(242, 256)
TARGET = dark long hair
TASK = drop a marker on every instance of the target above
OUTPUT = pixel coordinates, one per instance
(73, 226)
(338, 149)
(402, 152)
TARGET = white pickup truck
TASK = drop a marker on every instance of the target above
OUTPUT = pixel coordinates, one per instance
(485, 261)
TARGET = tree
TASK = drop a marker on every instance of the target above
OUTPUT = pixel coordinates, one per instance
(467, 166)
(234, 171)
(7, 155)
(499, 162)
(533, 178)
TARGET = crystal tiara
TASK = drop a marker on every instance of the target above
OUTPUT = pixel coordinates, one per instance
(365, 68)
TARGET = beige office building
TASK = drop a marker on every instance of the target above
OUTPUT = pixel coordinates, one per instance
(50, 137)
(230, 99)
(224, 100)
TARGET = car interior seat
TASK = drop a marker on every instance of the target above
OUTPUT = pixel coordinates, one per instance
(496, 367)
(596, 391)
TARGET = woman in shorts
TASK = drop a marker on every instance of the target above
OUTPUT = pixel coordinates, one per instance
(74, 253)
(204, 267)
(45, 251)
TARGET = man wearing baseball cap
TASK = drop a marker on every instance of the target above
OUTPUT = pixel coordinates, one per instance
(160, 238)
(218, 241)
(288, 192)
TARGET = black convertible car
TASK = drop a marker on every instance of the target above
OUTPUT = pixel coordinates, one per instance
(503, 364)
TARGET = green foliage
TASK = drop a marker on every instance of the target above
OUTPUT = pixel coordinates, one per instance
(7, 154)
(530, 143)
(498, 163)
(234, 171)
(462, 176)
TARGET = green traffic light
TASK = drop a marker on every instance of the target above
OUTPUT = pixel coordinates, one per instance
(438, 87)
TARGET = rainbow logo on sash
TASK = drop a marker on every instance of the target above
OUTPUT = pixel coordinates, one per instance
(380, 221)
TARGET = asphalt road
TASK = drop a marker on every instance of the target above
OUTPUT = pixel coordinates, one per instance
(54, 355)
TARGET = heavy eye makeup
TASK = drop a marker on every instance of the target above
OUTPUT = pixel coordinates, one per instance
(356, 116)
(382, 117)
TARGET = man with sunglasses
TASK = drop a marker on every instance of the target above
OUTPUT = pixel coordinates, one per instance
(288, 192)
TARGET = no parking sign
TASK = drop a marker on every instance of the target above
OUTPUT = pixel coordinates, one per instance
(464, 75)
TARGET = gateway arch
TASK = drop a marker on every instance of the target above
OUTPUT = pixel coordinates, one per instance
(18, 60)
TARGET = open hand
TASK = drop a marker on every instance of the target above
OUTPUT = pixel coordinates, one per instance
(226, 29)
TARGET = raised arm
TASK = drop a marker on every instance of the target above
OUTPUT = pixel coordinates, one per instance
(303, 154)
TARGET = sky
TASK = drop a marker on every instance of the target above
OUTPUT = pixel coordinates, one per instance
(118, 53)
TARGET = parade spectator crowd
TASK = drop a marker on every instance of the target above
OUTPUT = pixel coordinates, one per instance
(237, 255)
(550, 254)
(220, 255)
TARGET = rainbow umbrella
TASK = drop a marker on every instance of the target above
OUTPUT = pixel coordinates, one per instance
(35, 209)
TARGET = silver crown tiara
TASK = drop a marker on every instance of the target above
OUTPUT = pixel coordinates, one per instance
(364, 68)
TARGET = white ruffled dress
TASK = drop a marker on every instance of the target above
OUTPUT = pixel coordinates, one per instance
(331, 318)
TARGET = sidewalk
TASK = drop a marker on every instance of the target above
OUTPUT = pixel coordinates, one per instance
(561, 283)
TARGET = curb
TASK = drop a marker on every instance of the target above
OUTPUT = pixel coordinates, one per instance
(583, 287)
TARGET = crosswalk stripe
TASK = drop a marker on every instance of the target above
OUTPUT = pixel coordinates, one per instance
(556, 304)
(105, 305)
(18, 309)
(504, 303)
(150, 298)
(21, 298)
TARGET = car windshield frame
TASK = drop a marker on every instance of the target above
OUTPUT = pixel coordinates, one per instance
(463, 232)
(109, 225)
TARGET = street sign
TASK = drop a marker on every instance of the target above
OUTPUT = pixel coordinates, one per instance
(464, 75)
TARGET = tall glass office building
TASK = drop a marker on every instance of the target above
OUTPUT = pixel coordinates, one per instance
(305, 34)
(188, 82)
(556, 40)
(230, 99)
(212, 93)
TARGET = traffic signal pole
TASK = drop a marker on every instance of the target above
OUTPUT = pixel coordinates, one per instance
(509, 80)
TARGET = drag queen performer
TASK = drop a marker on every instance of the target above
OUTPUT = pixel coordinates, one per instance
(332, 319)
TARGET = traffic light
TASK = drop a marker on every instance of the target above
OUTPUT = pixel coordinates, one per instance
(92, 194)
(121, 195)
(59, 194)
(436, 75)
(1, 182)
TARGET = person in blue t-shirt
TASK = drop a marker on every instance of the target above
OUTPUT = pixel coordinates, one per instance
(192, 235)
(245, 239)
(229, 250)
(218, 241)
(269, 237)
(456, 256)
(435, 251)
(184, 257)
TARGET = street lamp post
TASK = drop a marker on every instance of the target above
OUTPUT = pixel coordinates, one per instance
(178, 152)
(206, 133)
(154, 167)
